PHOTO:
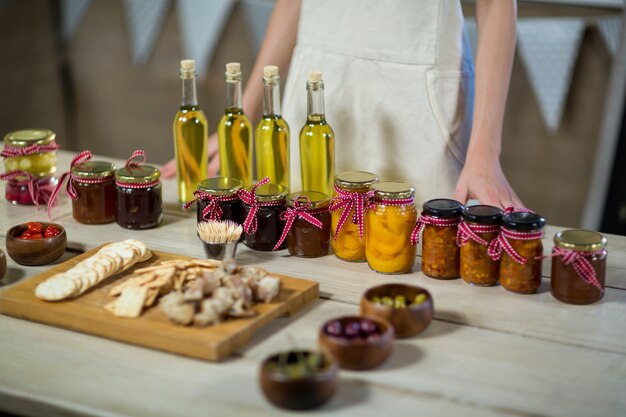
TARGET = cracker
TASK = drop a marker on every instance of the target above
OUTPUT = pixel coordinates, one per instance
(131, 302)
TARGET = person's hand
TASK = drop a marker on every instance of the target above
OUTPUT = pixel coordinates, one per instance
(482, 179)
(169, 169)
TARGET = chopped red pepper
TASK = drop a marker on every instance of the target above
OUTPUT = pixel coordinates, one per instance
(34, 227)
(51, 231)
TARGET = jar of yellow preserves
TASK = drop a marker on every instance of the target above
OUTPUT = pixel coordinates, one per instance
(31, 151)
(390, 222)
(348, 206)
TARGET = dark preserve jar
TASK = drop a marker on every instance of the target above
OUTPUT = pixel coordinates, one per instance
(440, 253)
(94, 183)
(578, 266)
(480, 226)
(219, 192)
(264, 232)
(139, 201)
(305, 239)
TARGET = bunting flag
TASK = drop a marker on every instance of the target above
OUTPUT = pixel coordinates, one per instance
(611, 30)
(549, 48)
(257, 14)
(72, 12)
(202, 23)
(144, 19)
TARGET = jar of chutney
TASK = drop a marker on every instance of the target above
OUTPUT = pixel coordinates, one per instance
(139, 199)
(263, 205)
(95, 192)
(217, 199)
(578, 266)
(479, 227)
(307, 228)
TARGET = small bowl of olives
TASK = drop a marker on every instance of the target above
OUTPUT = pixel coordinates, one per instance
(357, 343)
(298, 379)
(408, 308)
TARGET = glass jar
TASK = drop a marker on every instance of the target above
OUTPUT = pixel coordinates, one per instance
(94, 184)
(220, 192)
(388, 229)
(480, 226)
(269, 203)
(441, 256)
(139, 201)
(574, 251)
(305, 239)
(351, 191)
(17, 190)
(520, 269)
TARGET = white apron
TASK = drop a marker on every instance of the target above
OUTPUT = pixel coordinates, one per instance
(398, 78)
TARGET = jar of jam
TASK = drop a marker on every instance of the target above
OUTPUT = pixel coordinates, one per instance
(18, 191)
(578, 266)
(348, 206)
(307, 227)
(95, 192)
(388, 229)
(520, 250)
(479, 227)
(263, 204)
(139, 201)
(218, 200)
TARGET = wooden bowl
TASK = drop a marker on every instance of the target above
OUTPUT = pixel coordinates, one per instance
(406, 322)
(37, 251)
(3, 264)
(358, 354)
(301, 393)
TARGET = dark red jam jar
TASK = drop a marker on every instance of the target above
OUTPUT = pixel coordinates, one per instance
(218, 200)
(264, 232)
(17, 191)
(139, 200)
(94, 183)
(304, 238)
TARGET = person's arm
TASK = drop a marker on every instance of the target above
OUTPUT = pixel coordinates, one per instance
(482, 177)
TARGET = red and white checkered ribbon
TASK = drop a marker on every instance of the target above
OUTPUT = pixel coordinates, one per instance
(132, 163)
(580, 263)
(348, 200)
(251, 222)
(10, 151)
(469, 231)
(37, 187)
(390, 202)
(213, 210)
(302, 211)
(83, 156)
(424, 219)
(501, 243)
(513, 209)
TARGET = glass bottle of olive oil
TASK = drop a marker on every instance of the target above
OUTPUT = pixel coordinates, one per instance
(234, 131)
(317, 141)
(190, 136)
(272, 133)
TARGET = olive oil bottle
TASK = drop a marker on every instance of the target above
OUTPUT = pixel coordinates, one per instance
(234, 131)
(190, 136)
(317, 141)
(271, 139)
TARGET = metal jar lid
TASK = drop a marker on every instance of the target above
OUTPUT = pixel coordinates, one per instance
(142, 174)
(444, 208)
(482, 214)
(354, 180)
(28, 137)
(220, 186)
(580, 240)
(393, 190)
(94, 169)
(270, 192)
(523, 221)
(318, 200)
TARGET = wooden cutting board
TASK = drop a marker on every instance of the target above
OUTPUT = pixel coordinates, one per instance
(153, 329)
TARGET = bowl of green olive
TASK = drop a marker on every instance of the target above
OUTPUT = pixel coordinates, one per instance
(408, 308)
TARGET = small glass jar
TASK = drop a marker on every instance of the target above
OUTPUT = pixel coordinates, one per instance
(522, 277)
(305, 239)
(139, 200)
(270, 201)
(477, 267)
(347, 243)
(441, 256)
(17, 191)
(41, 164)
(388, 229)
(567, 285)
(223, 193)
(94, 183)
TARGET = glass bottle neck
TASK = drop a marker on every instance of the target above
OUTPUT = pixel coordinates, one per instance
(315, 105)
(189, 92)
(233, 94)
(271, 99)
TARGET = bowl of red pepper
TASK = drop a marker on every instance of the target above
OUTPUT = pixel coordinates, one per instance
(36, 243)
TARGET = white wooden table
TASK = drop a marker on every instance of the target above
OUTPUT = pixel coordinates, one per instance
(488, 352)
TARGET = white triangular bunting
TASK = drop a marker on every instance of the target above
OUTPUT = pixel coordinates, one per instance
(72, 12)
(611, 30)
(549, 48)
(144, 18)
(202, 23)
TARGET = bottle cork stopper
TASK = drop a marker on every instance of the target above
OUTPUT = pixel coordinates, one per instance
(270, 71)
(188, 64)
(315, 76)
(233, 68)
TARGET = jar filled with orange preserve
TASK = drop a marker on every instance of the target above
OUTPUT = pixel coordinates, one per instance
(578, 266)
(479, 227)
(348, 207)
(520, 251)
(390, 222)
(94, 201)
(440, 254)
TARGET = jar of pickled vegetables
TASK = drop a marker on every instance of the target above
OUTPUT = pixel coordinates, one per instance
(441, 256)
(139, 197)
(520, 251)
(93, 183)
(307, 227)
(578, 266)
(348, 206)
(390, 222)
(263, 204)
(217, 199)
(479, 227)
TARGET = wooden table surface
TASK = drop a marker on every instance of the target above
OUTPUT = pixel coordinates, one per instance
(488, 352)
